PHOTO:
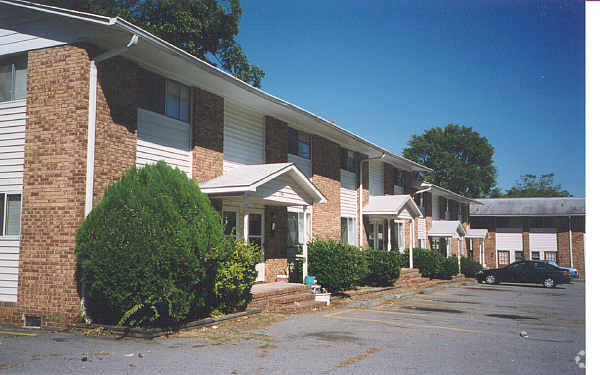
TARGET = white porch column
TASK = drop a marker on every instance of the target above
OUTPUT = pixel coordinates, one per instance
(305, 244)
(410, 246)
(483, 247)
(246, 224)
(448, 244)
(389, 235)
(460, 243)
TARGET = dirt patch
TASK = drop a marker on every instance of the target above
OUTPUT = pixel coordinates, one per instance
(511, 316)
(359, 357)
(231, 331)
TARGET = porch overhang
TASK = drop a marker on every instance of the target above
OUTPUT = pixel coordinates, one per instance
(392, 207)
(477, 233)
(280, 184)
(443, 228)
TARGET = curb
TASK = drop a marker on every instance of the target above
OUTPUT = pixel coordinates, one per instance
(151, 333)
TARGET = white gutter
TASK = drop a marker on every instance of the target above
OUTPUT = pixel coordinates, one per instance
(91, 139)
(360, 205)
(570, 243)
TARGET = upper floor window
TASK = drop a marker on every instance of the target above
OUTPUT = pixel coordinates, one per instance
(299, 143)
(10, 214)
(168, 98)
(347, 160)
(13, 78)
(400, 179)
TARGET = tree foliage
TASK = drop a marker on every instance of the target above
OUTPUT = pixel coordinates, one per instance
(461, 159)
(530, 185)
(204, 28)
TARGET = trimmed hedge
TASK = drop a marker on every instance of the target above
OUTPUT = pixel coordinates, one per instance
(469, 267)
(427, 261)
(383, 267)
(152, 252)
(448, 268)
(336, 265)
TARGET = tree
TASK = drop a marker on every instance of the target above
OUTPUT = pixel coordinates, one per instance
(530, 185)
(461, 160)
(204, 28)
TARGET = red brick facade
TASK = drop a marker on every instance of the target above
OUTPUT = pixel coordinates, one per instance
(326, 177)
(208, 121)
(54, 186)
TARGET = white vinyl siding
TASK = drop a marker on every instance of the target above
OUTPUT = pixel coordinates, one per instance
(163, 138)
(375, 177)
(509, 239)
(435, 206)
(543, 239)
(348, 198)
(422, 229)
(12, 144)
(281, 189)
(243, 137)
(305, 165)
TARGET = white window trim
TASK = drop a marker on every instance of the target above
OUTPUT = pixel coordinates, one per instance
(12, 236)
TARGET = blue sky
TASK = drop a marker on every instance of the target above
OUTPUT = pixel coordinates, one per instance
(513, 70)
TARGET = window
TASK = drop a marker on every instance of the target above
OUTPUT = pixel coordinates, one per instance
(299, 143)
(13, 78)
(347, 160)
(296, 228)
(460, 208)
(550, 255)
(398, 236)
(535, 255)
(435, 243)
(10, 214)
(469, 249)
(255, 230)
(167, 97)
(399, 178)
(349, 230)
(519, 256)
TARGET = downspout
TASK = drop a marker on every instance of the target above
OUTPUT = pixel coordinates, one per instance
(91, 139)
(360, 205)
(570, 243)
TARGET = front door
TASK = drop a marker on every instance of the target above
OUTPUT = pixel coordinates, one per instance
(503, 258)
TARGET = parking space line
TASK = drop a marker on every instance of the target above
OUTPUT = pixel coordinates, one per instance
(425, 314)
(338, 313)
(17, 333)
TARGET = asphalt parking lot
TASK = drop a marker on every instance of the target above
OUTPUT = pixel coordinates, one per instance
(456, 329)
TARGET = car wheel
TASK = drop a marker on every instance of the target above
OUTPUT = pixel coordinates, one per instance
(490, 279)
(549, 283)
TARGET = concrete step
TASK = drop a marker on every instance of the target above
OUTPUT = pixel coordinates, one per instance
(300, 306)
(291, 298)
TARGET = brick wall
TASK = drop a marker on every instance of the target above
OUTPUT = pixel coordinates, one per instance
(208, 121)
(365, 198)
(562, 229)
(276, 140)
(54, 185)
(389, 177)
(326, 177)
(526, 249)
(117, 100)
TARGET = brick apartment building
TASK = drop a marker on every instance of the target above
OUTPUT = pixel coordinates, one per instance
(530, 228)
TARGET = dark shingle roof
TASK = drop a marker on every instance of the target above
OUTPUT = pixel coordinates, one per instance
(529, 207)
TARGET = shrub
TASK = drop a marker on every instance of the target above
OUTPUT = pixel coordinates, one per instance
(149, 251)
(427, 261)
(383, 267)
(236, 273)
(336, 265)
(448, 268)
(469, 267)
(404, 259)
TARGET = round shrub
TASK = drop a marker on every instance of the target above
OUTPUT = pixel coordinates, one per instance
(336, 265)
(427, 261)
(148, 252)
(469, 267)
(448, 268)
(235, 275)
(384, 267)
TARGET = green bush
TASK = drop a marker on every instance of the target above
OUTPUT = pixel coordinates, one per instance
(336, 265)
(427, 261)
(448, 268)
(148, 252)
(383, 267)
(405, 259)
(469, 267)
(236, 273)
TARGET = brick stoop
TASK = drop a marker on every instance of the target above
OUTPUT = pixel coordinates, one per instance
(283, 297)
(411, 278)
